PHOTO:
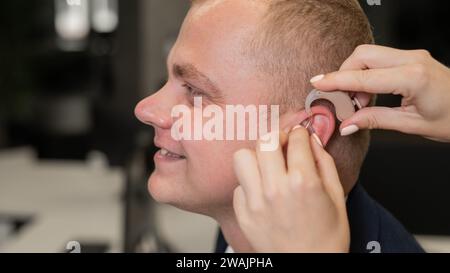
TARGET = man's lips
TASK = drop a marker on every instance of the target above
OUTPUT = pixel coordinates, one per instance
(169, 154)
(167, 151)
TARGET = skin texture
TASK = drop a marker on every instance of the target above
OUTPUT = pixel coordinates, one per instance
(204, 181)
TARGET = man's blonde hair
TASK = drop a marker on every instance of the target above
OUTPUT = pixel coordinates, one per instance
(298, 39)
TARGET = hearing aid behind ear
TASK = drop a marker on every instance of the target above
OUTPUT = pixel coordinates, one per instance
(343, 103)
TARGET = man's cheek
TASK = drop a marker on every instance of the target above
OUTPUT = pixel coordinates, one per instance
(212, 161)
(212, 170)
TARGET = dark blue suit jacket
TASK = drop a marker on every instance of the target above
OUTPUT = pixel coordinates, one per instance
(369, 222)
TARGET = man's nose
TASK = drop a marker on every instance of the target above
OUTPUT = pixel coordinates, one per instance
(155, 111)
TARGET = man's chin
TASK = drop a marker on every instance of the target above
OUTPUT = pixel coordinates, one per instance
(168, 191)
(160, 189)
(164, 193)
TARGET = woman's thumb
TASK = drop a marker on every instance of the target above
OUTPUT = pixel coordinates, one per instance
(380, 118)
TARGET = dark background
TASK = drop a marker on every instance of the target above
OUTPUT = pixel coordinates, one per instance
(409, 175)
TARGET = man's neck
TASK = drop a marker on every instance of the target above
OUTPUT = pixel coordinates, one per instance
(233, 233)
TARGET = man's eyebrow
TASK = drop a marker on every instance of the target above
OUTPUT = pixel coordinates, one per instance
(189, 71)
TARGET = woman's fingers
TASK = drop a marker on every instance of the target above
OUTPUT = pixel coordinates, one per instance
(248, 174)
(377, 70)
(300, 160)
(240, 204)
(400, 119)
(375, 81)
(374, 56)
(272, 166)
(414, 74)
(364, 99)
(328, 173)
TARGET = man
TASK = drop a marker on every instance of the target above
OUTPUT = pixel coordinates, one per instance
(258, 52)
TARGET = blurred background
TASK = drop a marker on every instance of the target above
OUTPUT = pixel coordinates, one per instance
(74, 161)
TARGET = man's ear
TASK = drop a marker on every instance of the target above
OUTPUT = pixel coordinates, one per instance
(323, 122)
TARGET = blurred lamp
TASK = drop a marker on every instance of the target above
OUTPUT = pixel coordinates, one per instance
(105, 15)
(72, 19)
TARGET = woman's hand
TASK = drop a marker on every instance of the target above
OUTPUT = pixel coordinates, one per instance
(292, 205)
(423, 82)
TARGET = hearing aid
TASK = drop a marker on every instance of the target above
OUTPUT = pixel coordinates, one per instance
(344, 105)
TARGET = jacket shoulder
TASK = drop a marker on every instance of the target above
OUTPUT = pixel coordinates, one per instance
(372, 226)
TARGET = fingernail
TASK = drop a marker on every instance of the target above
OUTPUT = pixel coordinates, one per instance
(358, 103)
(317, 139)
(349, 130)
(317, 78)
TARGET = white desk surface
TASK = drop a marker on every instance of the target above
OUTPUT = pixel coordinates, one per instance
(68, 201)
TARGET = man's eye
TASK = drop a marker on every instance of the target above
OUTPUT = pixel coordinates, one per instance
(192, 91)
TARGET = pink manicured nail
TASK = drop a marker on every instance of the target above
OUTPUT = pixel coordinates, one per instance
(317, 78)
(349, 130)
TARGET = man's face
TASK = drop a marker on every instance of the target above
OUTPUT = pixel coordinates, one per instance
(206, 61)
